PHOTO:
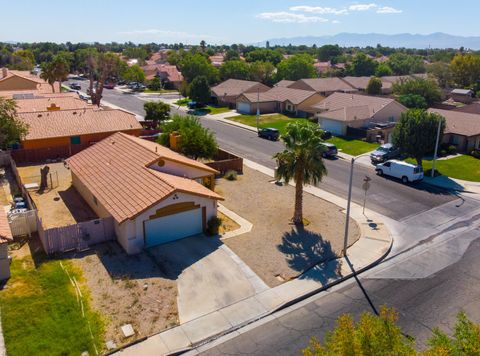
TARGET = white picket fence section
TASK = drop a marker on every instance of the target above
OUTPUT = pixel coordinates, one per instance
(23, 223)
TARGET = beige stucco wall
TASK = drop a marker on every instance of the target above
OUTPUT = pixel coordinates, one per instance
(181, 170)
(307, 104)
(17, 83)
(393, 110)
(130, 233)
(98, 208)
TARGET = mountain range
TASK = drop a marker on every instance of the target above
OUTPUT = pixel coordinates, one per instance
(408, 40)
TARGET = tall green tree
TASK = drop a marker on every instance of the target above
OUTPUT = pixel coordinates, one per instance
(196, 141)
(427, 88)
(296, 67)
(156, 111)
(262, 72)
(264, 55)
(383, 70)
(199, 90)
(362, 65)
(301, 161)
(374, 86)
(23, 59)
(196, 65)
(416, 133)
(134, 74)
(56, 70)
(11, 129)
(328, 52)
(466, 70)
(235, 69)
(403, 64)
(441, 72)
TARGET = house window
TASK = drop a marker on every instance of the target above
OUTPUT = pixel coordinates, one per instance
(391, 119)
(454, 140)
(75, 140)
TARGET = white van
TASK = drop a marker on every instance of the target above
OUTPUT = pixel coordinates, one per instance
(399, 169)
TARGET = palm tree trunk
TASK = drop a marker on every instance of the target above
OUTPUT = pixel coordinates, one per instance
(298, 214)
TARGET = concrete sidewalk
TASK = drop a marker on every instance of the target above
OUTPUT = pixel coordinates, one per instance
(453, 184)
(374, 244)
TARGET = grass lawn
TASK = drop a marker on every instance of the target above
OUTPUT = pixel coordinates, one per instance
(182, 102)
(41, 314)
(277, 121)
(352, 146)
(463, 167)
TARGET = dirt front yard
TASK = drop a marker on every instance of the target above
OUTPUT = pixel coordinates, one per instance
(60, 204)
(275, 249)
(128, 290)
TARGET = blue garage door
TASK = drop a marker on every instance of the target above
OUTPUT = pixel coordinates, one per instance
(173, 227)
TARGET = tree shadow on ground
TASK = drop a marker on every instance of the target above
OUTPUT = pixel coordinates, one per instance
(304, 250)
(76, 205)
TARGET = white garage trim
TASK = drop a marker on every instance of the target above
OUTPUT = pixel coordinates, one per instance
(243, 108)
(173, 227)
(335, 127)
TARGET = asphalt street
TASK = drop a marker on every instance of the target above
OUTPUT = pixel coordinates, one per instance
(388, 197)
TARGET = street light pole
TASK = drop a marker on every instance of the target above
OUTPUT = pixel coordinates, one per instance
(436, 148)
(258, 107)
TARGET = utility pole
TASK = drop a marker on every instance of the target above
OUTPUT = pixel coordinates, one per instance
(258, 107)
(436, 148)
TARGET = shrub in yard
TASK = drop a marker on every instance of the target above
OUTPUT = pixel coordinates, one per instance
(326, 135)
(213, 225)
(443, 153)
(231, 175)
(452, 150)
(475, 154)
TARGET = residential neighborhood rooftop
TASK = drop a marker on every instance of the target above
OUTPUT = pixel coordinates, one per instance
(459, 123)
(233, 87)
(50, 103)
(281, 94)
(116, 170)
(323, 85)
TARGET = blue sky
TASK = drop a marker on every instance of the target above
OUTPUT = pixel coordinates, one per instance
(228, 21)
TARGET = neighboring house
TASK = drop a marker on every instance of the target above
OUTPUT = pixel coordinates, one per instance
(158, 57)
(35, 94)
(323, 86)
(340, 111)
(168, 74)
(13, 80)
(322, 67)
(74, 129)
(473, 108)
(361, 84)
(226, 93)
(280, 99)
(462, 129)
(154, 195)
(50, 104)
(5, 238)
(462, 95)
(217, 60)
(284, 83)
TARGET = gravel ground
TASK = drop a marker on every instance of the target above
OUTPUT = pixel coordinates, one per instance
(128, 290)
(274, 249)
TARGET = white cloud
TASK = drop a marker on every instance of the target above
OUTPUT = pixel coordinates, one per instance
(165, 33)
(362, 7)
(319, 10)
(335, 21)
(288, 17)
(388, 10)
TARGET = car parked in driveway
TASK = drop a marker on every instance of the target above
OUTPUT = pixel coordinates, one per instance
(407, 172)
(384, 153)
(269, 133)
(75, 86)
(330, 150)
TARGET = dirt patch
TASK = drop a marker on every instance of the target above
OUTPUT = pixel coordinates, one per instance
(128, 290)
(227, 224)
(60, 204)
(275, 249)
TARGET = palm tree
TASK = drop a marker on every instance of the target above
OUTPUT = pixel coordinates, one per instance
(301, 161)
(48, 74)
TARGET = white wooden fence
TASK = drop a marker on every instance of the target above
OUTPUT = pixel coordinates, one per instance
(76, 237)
(23, 223)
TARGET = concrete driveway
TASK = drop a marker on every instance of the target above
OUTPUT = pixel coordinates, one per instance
(209, 275)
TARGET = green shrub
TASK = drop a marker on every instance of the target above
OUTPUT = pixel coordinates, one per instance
(475, 154)
(443, 153)
(213, 225)
(231, 175)
(452, 150)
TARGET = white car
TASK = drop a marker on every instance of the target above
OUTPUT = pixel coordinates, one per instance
(399, 169)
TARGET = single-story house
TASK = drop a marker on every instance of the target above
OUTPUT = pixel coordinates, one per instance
(35, 94)
(75, 129)
(50, 104)
(361, 84)
(473, 108)
(226, 93)
(279, 99)
(284, 83)
(168, 74)
(217, 59)
(12, 80)
(462, 95)
(5, 237)
(462, 129)
(154, 195)
(341, 110)
(323, 86)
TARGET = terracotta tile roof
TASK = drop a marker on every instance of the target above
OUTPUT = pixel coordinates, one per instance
(323, 84)
(33, 94)
(349, 107)
(235, 87)
(42, 104)
(115, 171)
(460, 123)
(5, 232)
(281, 94)
(164, 71)
(77, 122)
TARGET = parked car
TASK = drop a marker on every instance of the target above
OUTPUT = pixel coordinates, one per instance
(384, 153)
(137, 87)
(122, 82)
(75, 86)
(269, 133)
(402, 170)
(192, 105)
(85, 97)
(330, 150)
(109, 85)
